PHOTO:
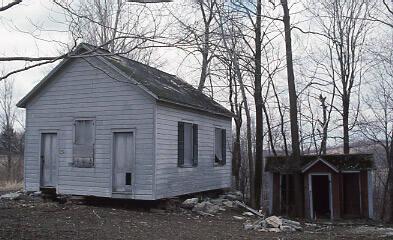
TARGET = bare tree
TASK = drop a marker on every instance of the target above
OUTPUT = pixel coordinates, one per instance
(8, 139)
(383, 13)
(232, 51)
(207, 9)
(116, 25)
(376, 123)
(296, 161)
(9, 5)
(258, 33)
(102, 23)
(345, 27)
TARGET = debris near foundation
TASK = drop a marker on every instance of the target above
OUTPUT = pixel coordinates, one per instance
(273, 224)
(190, 203)
(270, 224)
(207, 206)
(255, 212)
(11, 196)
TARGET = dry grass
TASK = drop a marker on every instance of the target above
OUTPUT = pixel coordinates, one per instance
(10, 186)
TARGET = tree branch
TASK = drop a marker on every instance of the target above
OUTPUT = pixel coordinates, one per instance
(10, 5)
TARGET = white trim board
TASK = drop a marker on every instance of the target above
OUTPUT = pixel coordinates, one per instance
(308, 166)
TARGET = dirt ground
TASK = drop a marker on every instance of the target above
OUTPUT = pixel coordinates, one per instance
(37, 218)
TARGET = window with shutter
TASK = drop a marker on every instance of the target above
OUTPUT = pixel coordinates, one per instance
(220, 146)
(187, 144)
(84, 140)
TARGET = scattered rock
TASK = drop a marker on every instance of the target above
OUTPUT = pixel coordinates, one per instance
(217, 201)
(311, 224)
(248, 226)
(274, 221)
(233, 196)
(293, 224)
(206, 207)
(248, 214)
(11, 196)
(274, 224)
(276, 230)
(190, 203)
(228, 204)
(238, 218)
(262, 230)
(286, 228)
(35, 194)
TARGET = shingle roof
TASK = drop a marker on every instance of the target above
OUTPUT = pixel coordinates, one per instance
(166, 87)
(341, 162)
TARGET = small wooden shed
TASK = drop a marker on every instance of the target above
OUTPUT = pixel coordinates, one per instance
(104, 125)
(335, 186)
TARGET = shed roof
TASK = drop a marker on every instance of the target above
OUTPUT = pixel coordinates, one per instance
(164, 86)
(341, 162)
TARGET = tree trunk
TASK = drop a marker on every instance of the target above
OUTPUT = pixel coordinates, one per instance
(236, 108)
(237, 155)
(239, 76)
(324, 125)
(298, 178)
(248, 124)
(346, 147)
(205, 46)
(390, 178)
(282, 124)
(269, 131)
(203, 77)
(258, 109)
(9, 167)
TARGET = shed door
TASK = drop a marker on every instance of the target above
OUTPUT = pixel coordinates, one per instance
(123, 158)
(351, 189)
(321, 196)
(48, 160)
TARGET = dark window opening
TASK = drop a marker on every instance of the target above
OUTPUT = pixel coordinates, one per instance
(220, 146)
(128, 179)
(187, 144)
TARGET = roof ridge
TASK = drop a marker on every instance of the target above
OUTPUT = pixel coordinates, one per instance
(163, 86)
(141, 63)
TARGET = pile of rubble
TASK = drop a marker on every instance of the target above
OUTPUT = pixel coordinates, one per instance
(211, 206)
(273, 224)
(11, 196)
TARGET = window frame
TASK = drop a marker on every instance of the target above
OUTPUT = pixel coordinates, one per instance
(194, 163)
(223, 162)
(74, 163)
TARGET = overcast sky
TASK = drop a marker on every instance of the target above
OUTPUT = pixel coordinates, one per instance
(14, 42)
(33, 15)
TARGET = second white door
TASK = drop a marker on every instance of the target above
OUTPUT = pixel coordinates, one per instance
(123, 159)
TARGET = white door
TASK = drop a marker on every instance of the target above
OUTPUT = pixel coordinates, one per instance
(48, 160)
(123, 158)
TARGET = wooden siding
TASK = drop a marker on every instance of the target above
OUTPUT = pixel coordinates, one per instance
(89, 89)
(172, 180)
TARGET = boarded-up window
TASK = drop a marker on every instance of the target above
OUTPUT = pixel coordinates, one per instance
(187, 144)
(220, 146)
(84, 139)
